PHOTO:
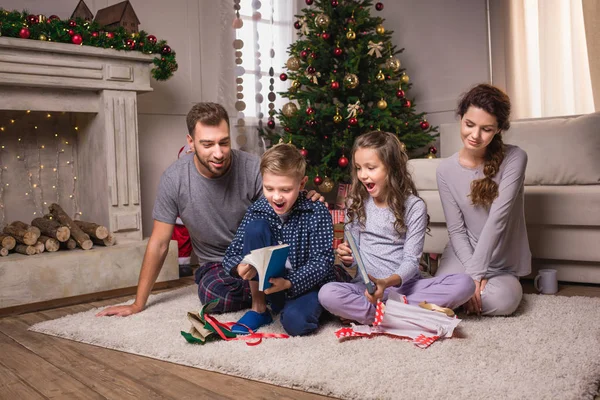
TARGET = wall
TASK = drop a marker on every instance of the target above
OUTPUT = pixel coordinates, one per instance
(446, 52)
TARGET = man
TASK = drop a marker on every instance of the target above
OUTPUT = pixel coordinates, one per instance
(210, 190)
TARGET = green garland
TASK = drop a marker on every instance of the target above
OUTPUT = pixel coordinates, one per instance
(78, 31)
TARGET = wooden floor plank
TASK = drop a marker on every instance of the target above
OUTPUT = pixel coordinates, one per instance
(14, 388)
(46, 378)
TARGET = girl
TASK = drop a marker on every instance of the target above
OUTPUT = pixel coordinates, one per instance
(481, 188)
(388, 221)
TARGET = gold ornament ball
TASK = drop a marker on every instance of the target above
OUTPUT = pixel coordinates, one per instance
(351, 81)
(293, 64)
(296, 84)
(393, 63)
(322, 20)
(289, 109)
(380, 29)
(350, 35)
(403, 146)
(380, 76)
(43, 37)
(327, 185)
(430, 155)
(337, 118)
(405, 78)
(382, 104)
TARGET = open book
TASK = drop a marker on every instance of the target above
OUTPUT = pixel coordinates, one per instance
(269, 263)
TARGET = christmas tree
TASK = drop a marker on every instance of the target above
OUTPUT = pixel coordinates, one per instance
(346, 79)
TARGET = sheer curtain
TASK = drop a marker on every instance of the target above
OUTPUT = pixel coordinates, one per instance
(539, 55)
(260, 43)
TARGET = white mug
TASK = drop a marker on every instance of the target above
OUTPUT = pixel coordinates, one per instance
(545, 282)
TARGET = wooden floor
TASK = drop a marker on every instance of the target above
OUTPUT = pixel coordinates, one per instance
(37, 366)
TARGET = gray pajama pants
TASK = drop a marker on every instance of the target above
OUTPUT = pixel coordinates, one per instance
(347, 300)
(502, 293)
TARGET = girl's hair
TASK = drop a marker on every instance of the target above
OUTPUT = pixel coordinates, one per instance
(495, 102)
(398, 180)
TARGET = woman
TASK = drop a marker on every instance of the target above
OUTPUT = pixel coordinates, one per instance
(481, 189)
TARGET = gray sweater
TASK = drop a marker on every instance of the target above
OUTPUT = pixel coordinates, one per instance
(490, 241)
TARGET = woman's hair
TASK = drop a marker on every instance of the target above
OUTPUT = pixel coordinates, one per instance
(495, 102)
(399, 181)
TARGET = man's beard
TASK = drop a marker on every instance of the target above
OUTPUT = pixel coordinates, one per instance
(212, 169)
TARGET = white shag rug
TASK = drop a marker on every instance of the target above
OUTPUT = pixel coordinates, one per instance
(550, 349)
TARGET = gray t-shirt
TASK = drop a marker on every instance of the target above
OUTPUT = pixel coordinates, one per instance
(211, 209)
(487, 241)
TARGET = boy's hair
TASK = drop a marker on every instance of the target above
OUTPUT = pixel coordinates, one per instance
(283, 159)
(209, 114)
(497, 103)
(399, 181)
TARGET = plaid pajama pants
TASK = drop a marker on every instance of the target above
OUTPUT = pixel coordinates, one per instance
(215, 283)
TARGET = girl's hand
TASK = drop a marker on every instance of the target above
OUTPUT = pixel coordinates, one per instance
(380, 286)
(246, 271)
(345, 254)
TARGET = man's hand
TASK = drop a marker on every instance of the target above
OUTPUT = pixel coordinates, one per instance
(315, 196)
(279, 284)
(120, 311)
(345, 254)
(246, 271)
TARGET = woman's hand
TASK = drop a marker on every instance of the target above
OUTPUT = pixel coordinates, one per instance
(345, 254)
(474, 305)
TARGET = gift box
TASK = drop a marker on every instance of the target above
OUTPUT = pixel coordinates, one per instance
(343, 190)
(338, 216)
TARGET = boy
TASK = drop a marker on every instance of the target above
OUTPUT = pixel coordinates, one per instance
(283, 216)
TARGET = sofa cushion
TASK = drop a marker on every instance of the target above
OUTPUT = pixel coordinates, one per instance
(561, 151)
(423, 172)
(434, 205)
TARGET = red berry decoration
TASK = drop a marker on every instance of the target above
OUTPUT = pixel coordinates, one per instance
(334, 3)
(310, 111)
(379, 6)
(94, 34)
(318, 180)
(425, 125)
(283, 76)
(304, 152)
(325, 36)
(24, 33)
(110, 35)
(353, 121)
(71, 32)
(343, 162)
(433, 150)
(77, 39)
(271, 124)
(151, 39)
(303, 53)
(165, 50)
(338, 51)
(32, 19)
(72, 23)
(335, 85)
(297, 25)
(309, 2)
(400, 93)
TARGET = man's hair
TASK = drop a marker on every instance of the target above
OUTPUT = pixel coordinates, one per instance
(283, 159)
(209, 114)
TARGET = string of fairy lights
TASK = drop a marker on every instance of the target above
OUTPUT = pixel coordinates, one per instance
(34, 172)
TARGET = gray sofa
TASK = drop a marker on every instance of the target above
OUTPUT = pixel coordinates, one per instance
(562, 192)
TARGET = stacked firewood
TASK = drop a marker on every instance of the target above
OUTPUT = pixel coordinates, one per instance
(52, 232)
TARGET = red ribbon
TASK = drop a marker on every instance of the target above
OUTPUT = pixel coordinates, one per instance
(256, 336)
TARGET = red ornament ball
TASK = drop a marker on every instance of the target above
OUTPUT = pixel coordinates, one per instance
(165, 50)
(310, 111)
(71, 32)
(72, 23)
(283, 76)
(400, 93)
(350, 20)
(309, 2)
(338, 51)
(335, 85)
(287, 129)
(94, 34)
(303, 53)
(379, 6)
(313, 56)
(353, 121)
(325, 36)
(110, 35)
(311, 70)
(151, 39)
(424, 125)
(77, 39)
(32, 19)
(343, 162)
(271, 124)
(433, 150)
(312, 123)
(407, 103)
(52, 18)
(24, 33)
(318, 180)
(297, 25)
(334, 3)
(304, 152)
(130, 43)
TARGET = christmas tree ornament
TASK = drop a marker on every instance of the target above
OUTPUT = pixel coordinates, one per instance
(271, 123)
(304, 152)
(283, 76)
(327, 185)
(309, 2)
(334, 3)
(393, 63)
(353, 121)
(375, 48)
(380, 29)
(43, 37)
(110, 35)
(325, 36)
(430, 155)
(165, 50)
(382, 104)
(71, 32)
(338, 51)
(403, 146)
(322, 20)
(318, 180)
(289, 109)
(32, 19)
(297, 25)
(335, 85)
(311, 122)
(296, 84)
(310, 111)
(425, 125)
(313, 55)
(151, 39)
(293, 64)
(337, 118)
(407, 103)
(52, 18)
(94, 34)
(41, 18)
(380, 76)
(351, 81)
(311, 70)
(433, 150)
(379, 6)
(72, 24)
(77, 39)
(405, 78)
(400, 93)
(304, 54)
(343, 161)
(24, 33)
(350, 35)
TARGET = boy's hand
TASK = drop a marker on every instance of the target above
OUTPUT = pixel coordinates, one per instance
(345, 254)
(315, 196)
(279, 284)
(246, 271)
